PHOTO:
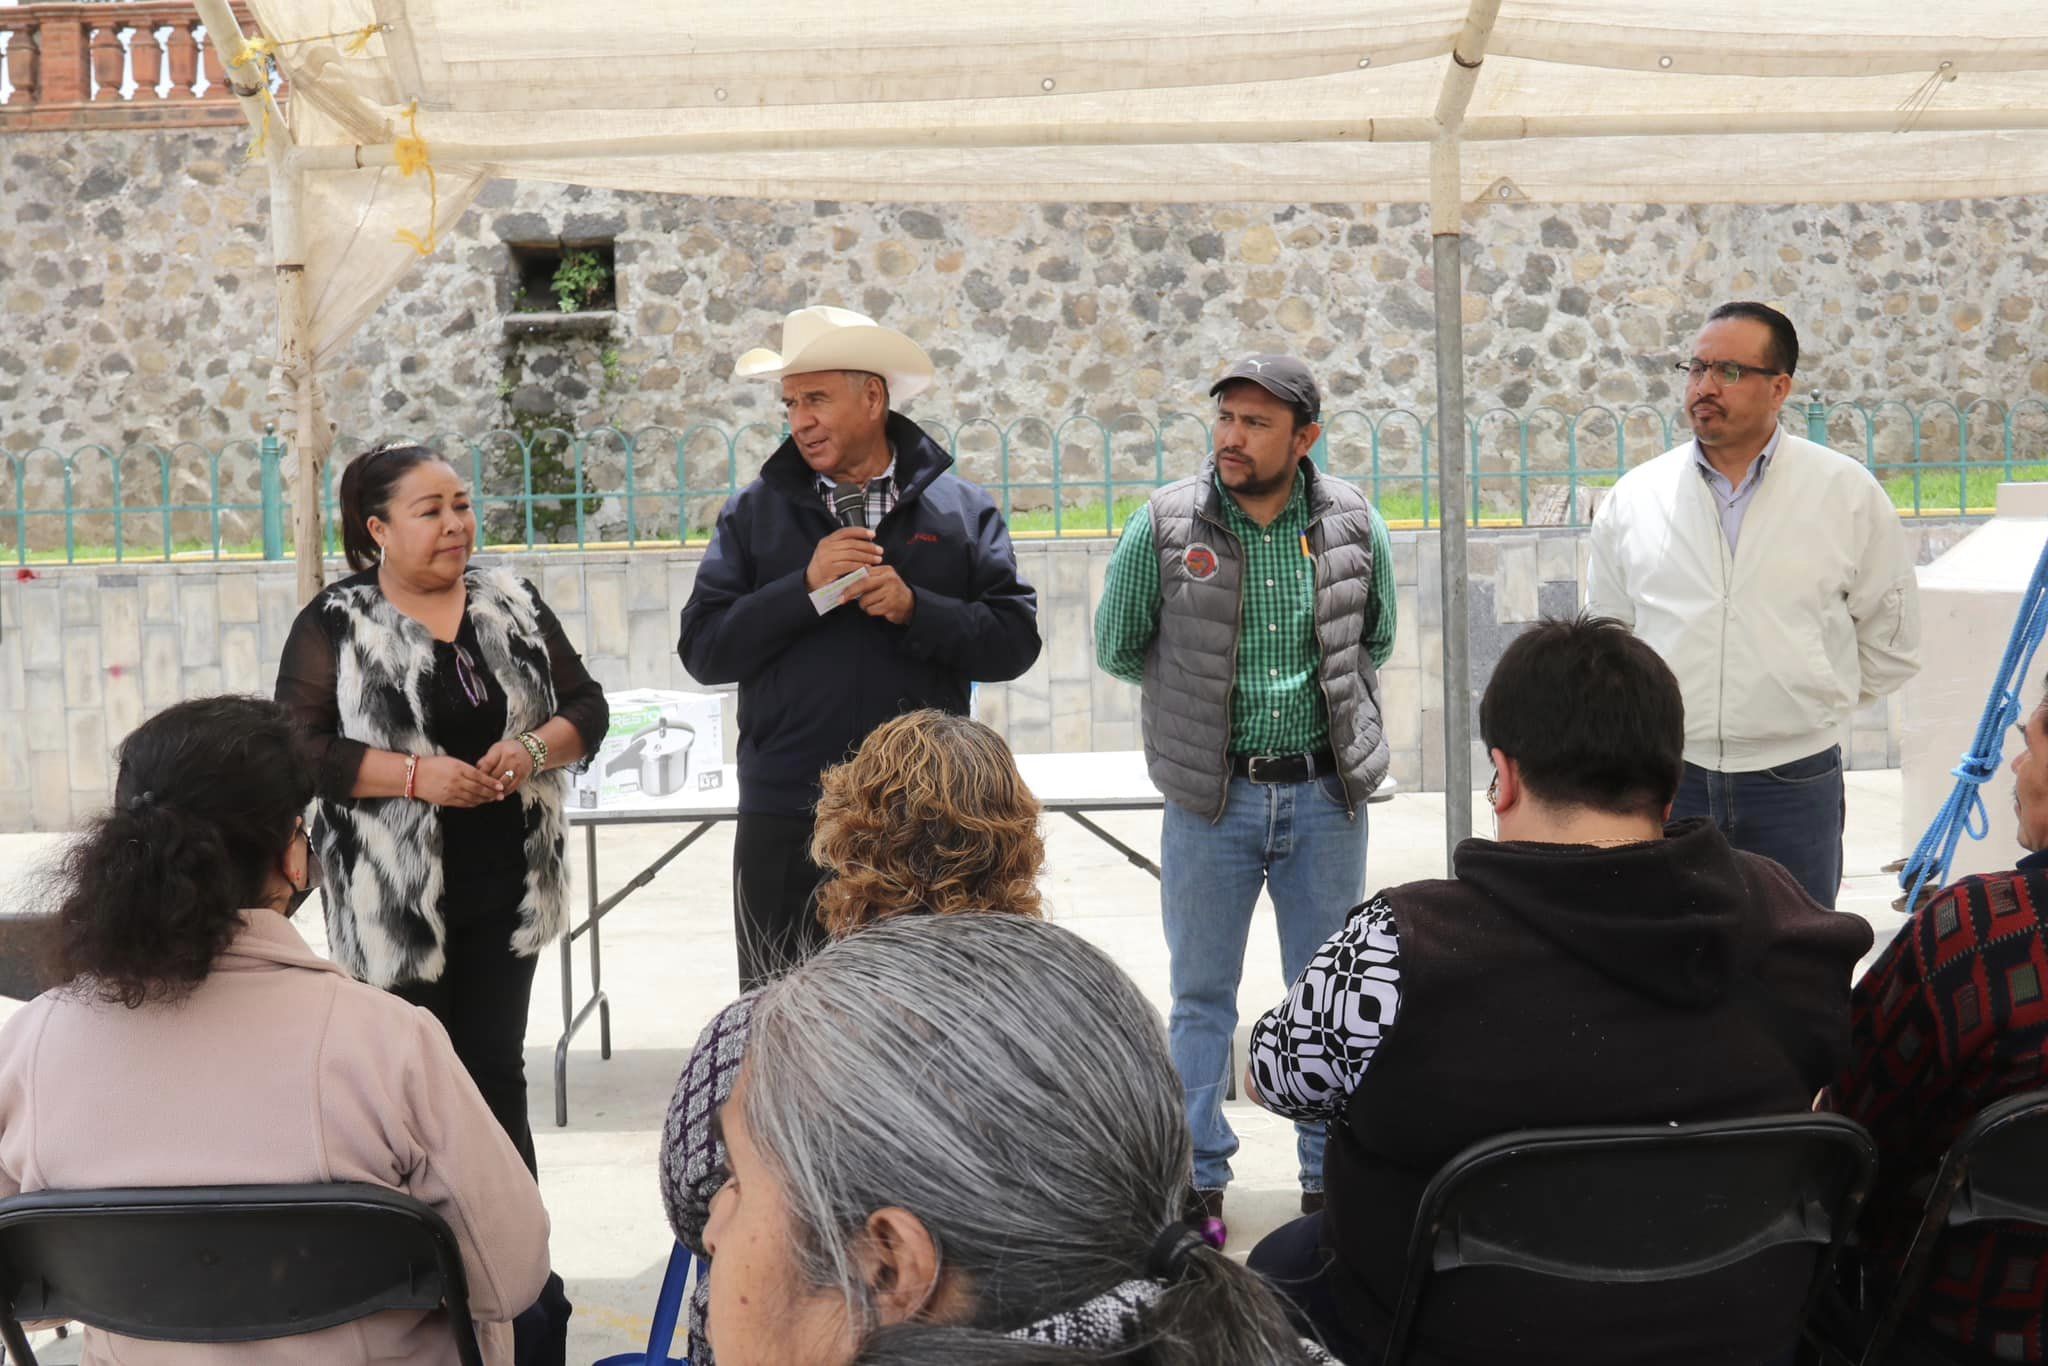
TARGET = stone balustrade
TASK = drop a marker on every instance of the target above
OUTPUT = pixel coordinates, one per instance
(79, 66)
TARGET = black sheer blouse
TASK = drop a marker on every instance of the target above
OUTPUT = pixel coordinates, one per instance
(483, 859)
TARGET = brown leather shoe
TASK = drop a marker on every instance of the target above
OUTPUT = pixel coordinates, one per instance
(1312, 1202)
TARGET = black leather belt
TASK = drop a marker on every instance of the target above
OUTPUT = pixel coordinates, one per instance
(1282, 768)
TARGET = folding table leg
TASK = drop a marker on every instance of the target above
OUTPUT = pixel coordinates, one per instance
(1137, 859)
(573, 1018)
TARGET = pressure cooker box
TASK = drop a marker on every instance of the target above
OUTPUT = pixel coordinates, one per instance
(662, 746)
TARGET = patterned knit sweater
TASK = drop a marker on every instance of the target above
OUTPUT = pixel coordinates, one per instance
(1953, 1017)
(692, 1160)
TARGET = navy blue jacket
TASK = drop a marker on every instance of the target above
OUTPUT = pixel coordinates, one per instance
(812, 687)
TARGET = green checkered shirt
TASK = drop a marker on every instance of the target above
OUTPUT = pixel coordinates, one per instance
(1276, 704)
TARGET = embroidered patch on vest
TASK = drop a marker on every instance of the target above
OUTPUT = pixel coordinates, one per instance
(1199, 561)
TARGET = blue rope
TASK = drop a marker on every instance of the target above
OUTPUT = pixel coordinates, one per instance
(1963, 812)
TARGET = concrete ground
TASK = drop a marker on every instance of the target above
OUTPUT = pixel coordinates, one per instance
(669, 964)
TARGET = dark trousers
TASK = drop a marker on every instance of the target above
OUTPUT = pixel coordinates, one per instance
(481, 999)
(1792, 814)
(775, 887)
(1293, 1260)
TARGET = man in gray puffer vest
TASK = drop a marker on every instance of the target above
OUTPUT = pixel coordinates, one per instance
(1254, 604)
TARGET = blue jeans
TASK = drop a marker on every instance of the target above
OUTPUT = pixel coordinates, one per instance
(1792, 814)
(1295, 840)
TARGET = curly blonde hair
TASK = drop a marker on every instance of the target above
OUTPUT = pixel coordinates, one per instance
(930, 815)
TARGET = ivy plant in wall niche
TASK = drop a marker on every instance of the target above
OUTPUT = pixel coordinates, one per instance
(560, 376)
(583, 281)
(558, 287)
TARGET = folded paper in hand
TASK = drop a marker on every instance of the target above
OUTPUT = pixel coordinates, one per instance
(834, 593)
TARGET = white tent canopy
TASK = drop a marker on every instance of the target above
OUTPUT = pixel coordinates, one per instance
(1285, 101)
(1213, 100)
(1452, 102)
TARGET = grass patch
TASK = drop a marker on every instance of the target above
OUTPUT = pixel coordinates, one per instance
(1943, 489)
(1077, 519)
(1398, 504)
(140, 551)
(1403, 503)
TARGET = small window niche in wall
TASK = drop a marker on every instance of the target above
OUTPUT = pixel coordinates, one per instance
(562, 288)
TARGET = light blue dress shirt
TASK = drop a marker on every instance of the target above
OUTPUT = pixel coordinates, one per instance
(1731, 499)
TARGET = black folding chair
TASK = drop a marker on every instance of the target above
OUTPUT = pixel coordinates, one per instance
(225, 1263)
(1626, 1206)
(1996, 1169)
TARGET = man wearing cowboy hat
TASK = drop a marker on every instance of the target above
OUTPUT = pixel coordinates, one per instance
(1253, 604)
(856, 489)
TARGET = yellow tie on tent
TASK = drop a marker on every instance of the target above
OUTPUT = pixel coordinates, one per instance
(402, 109)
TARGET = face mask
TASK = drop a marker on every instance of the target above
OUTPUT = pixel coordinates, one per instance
(299, 894)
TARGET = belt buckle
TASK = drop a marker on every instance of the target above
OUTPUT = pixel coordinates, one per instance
(1253, 767)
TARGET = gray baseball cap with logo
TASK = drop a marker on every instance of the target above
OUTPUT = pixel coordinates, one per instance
(1284, 377)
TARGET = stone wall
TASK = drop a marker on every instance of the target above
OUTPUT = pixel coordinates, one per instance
(86, 653)
(138, 307)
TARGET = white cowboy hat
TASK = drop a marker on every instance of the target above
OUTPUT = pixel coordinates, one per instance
(823, 338)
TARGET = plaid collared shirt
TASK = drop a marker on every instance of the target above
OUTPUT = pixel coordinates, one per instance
(1277, 705)
(881, 491)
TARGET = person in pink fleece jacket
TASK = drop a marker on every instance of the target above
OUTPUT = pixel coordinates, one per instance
(199, 1041)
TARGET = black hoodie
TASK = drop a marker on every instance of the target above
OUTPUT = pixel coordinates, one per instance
(1673, 981)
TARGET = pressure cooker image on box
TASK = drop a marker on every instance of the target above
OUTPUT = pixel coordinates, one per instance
(661, 754)
(662, 745)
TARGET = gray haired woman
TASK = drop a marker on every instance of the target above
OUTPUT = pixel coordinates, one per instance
(959, 1139)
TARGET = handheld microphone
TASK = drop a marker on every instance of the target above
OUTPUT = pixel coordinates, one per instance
(850, 504)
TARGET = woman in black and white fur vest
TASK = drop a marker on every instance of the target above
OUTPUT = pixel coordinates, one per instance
(442, 702)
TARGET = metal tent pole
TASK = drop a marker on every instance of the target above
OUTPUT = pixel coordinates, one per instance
(1451, 464)
(1446, 203)
(295, 355)
(1174, 133)
(251, 86)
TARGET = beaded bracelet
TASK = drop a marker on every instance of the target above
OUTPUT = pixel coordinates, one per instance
(536, 749)
(412, 772)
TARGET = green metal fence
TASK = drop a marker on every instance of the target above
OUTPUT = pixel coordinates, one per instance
(1061, 477)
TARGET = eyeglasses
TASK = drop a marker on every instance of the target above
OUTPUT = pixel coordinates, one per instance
(466, 674)
(1493, 788)
(1726, 371)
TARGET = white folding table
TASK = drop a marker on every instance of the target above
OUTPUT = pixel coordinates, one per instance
(1074, 785)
